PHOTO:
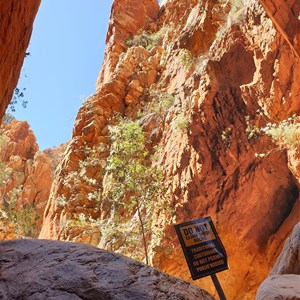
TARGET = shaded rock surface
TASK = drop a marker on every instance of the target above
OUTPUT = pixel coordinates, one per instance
(288, 261)
(17, 19)
(41, 269)
(284, 279)
(285, 287)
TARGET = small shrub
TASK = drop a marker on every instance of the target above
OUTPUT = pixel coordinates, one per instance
(286, 134)
(147, 39)
(5, 173)
(186, 59)
(80, 176)
(181, 123)
(61, 201)
(3, 141)
(23, 221)
(226, 136)
(160, 103)
(252, 131)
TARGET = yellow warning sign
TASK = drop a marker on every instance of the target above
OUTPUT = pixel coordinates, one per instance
(202, 247)
(197, 233)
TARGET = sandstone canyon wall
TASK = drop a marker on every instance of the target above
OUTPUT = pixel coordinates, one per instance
(26, 178)
(17, 19)
(230, 68)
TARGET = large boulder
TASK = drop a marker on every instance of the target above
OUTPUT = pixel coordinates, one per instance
(284, 280)
(288, 261)
(42, 269)
(285, 287)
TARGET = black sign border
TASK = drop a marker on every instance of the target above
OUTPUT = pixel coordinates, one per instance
(184, 247)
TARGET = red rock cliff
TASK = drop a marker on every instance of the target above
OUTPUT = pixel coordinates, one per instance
(15, 30)
(26, 177)
(230, 68)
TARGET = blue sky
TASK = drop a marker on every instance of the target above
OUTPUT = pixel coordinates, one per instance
(66, 53)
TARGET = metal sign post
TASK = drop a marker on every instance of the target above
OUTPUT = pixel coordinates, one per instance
(203, 250)
(218, 286)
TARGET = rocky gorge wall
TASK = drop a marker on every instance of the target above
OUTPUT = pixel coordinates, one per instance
(222, 65)
(202, 81)
(26, 177)
(17, 19)
(18, 144)
(229, 70)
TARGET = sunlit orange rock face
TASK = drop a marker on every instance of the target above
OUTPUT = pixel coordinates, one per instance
(127, 18)
(15, 30)
(229, 70)
(26, 178)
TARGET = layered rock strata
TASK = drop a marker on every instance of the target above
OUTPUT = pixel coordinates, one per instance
(26, 177)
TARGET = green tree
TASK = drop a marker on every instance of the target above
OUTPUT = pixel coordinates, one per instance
(20, 221)
(135, 183)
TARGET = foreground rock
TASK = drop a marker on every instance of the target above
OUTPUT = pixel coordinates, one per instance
(284, 280)
(42, 269)
(288, 261)
(285, 287)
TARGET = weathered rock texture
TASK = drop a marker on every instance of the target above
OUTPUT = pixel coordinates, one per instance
(77, 271)
(280, 287)
(26, 178)
(125, 21)
(283, 281)
(288, 261)
(15, 30)
(221, 64)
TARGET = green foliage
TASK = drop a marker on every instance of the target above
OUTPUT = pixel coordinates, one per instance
(252, 130)
(18, 95)
(181, 123)
(160, 103)
(125, 234)
(286, 134)
(3, 141)
(5, 173)
(61, 201)
(186, 59)
(85, 175)
(226, 136)
(134, 183)
(147, 39)
(22, 221)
